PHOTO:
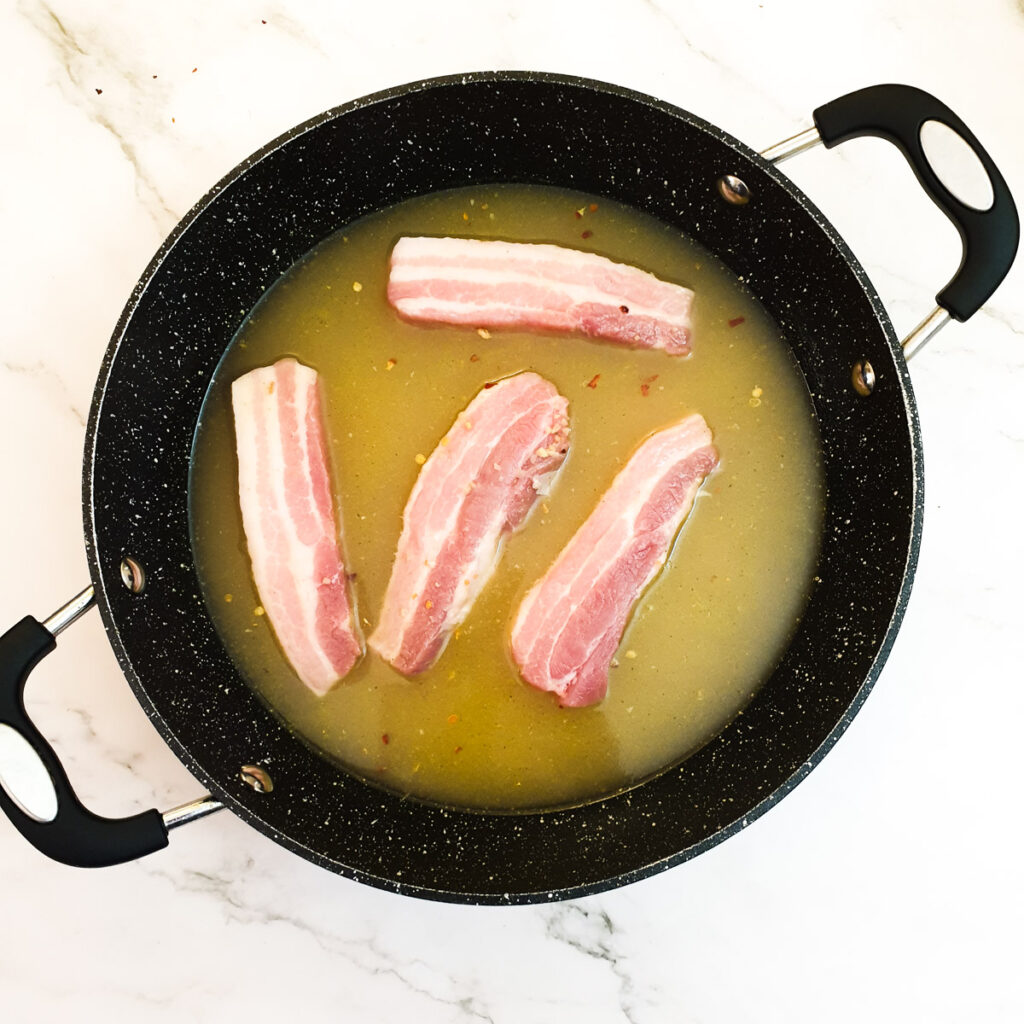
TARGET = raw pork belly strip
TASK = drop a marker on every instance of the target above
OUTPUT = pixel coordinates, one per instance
(478, 484)
(570, 623)
(518, 284)
(288, 515)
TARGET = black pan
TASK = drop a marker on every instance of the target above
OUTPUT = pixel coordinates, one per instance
(270, 212)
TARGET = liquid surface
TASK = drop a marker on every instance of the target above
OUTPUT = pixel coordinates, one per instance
(469, 732)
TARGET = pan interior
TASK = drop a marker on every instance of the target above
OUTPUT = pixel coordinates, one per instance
(469, 732)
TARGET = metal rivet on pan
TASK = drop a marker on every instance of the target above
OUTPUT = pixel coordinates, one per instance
(734, 190)
(863, 377)
(132, 575)
(253, 775)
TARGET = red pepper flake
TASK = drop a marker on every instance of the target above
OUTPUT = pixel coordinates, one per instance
(593, 207)
(263, 21)
(458, 750)
(586, 234)
(490, 384)
(474, 358)
(385, 739)
(194, 70)
(623, 309)
(736, 321)
(99, 92)
(645, 385)
(592, 383)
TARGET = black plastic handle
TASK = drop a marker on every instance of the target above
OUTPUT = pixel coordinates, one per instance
(76, 836)
(990, 237)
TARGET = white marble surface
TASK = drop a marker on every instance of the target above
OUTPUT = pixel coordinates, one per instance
(887, 887)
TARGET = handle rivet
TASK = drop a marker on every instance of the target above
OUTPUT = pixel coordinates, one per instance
(734, 190)
(863, 378)
(132, 575)
(253, 775)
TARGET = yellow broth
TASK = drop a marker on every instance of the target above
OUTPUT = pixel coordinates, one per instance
(469, 732)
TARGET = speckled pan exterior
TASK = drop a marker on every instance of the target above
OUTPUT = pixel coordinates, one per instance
(439, 134)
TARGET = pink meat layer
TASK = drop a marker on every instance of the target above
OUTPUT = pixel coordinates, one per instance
(571, 622)
(547, 287)
(288, 516)
(478, 484)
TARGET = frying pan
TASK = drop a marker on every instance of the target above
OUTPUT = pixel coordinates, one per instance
(438, 134)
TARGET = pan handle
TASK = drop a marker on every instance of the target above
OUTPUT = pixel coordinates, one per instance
(990, 236)
(75, 835)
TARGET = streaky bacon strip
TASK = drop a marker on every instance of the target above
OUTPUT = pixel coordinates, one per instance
(479, 483)
(288, 516)
(482, 283)
(570, 623)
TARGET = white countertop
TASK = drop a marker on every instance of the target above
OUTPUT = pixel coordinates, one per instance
(887, 887)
